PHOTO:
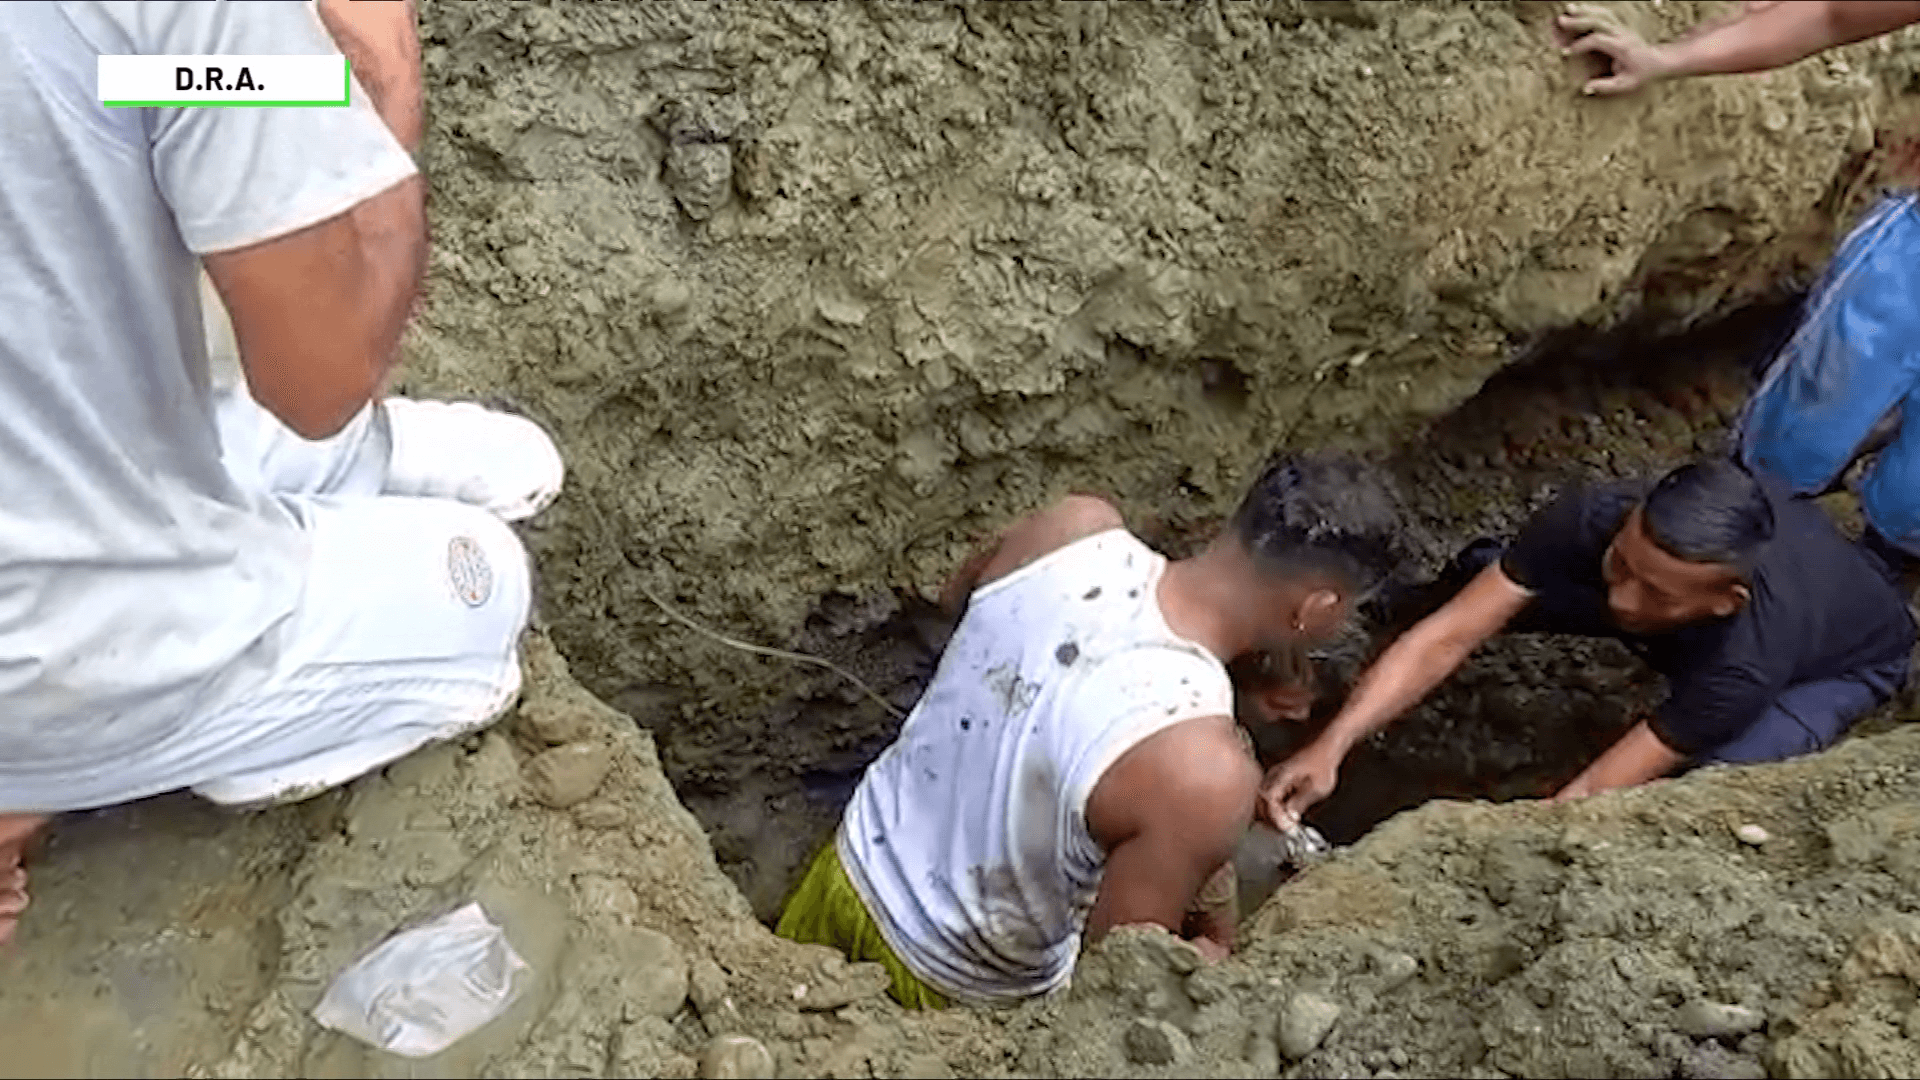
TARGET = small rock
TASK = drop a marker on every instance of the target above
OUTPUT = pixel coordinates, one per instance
(700, 175)
(837, 983)
(735, 1057)
(1395, 968)
(567, 774)
(1704, 1019)
(554, 721)
(645, 1048)
(1156, 1042)
(707, 986)
(1263, 1057)
(1752, 835)
(1208, 985)
(601, 814)
(605, 895)
(1711, 1061)
(1305, 1020)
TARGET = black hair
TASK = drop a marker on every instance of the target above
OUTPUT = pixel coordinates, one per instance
(1710, 511)
(1325, 513)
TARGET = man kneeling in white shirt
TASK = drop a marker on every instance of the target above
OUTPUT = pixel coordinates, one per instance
(253, 595)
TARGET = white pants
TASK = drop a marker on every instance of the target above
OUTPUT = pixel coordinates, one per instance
(407, 631)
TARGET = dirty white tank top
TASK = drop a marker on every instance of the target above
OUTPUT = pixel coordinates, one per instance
(968, 838)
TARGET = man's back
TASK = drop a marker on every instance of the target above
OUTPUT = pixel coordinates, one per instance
(968, 839)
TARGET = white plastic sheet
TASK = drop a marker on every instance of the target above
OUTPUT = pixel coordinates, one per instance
(423, 989)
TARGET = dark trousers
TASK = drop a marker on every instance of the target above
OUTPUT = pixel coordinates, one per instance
(1810, 716)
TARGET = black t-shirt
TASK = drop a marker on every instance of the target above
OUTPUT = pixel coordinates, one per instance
(1818, 610)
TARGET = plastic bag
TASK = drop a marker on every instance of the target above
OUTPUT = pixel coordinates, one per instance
(423, 989)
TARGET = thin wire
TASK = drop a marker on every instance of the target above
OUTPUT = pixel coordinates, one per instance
(736, 643)
(781, 654)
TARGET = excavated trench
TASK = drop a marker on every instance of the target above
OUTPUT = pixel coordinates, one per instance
(814, 295)
(1520, 719)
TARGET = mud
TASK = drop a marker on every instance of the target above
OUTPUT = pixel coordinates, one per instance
(814, 296)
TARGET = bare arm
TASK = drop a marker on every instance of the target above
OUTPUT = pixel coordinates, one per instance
(381, 43)
(953, 596)
(318, 313)
(1407, 672)
(1169, 813)
(1762, 37)
(1638, 757)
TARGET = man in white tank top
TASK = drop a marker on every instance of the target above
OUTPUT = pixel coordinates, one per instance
(1074, 764)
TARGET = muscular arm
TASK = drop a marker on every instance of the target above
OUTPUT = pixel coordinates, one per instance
(1638, 757)
(318, 313)
(383, 47)
(1072, 518)
(1404, 674)
(1427, 654)
(1169, 813)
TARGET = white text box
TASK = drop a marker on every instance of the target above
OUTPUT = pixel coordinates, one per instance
(128, 81)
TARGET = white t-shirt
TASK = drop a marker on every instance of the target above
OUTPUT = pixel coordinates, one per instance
(968, 838)
(139, 586)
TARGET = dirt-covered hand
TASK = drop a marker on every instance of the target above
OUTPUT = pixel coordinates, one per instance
(1589, 30)
(1292, 787)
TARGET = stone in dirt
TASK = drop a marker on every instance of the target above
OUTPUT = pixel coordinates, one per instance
(1156, 1042)
(1304, 1023)
(567, 774)
(1752, 835)
(1704, 1019)
(735, 1057)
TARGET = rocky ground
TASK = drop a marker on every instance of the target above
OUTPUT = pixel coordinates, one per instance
(1736, 922)
(813, 296)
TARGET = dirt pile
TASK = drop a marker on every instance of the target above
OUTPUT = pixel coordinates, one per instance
(1732, 923)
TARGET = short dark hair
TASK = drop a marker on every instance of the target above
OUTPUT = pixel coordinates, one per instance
(1326, 513)
(1710, 511)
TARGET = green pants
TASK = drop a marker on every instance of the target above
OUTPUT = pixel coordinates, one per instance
(824, 910)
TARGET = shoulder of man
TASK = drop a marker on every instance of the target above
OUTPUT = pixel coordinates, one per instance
(1077, 517)
(1579, 522)
(1042, 532)
(1181, 777)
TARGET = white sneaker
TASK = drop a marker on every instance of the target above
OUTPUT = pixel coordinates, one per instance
(502, 463)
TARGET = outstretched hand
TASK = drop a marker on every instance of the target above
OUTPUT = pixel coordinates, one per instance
(1589, 30)
(1292, 787)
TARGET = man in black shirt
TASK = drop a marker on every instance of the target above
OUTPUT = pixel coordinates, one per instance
(1773, 631)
